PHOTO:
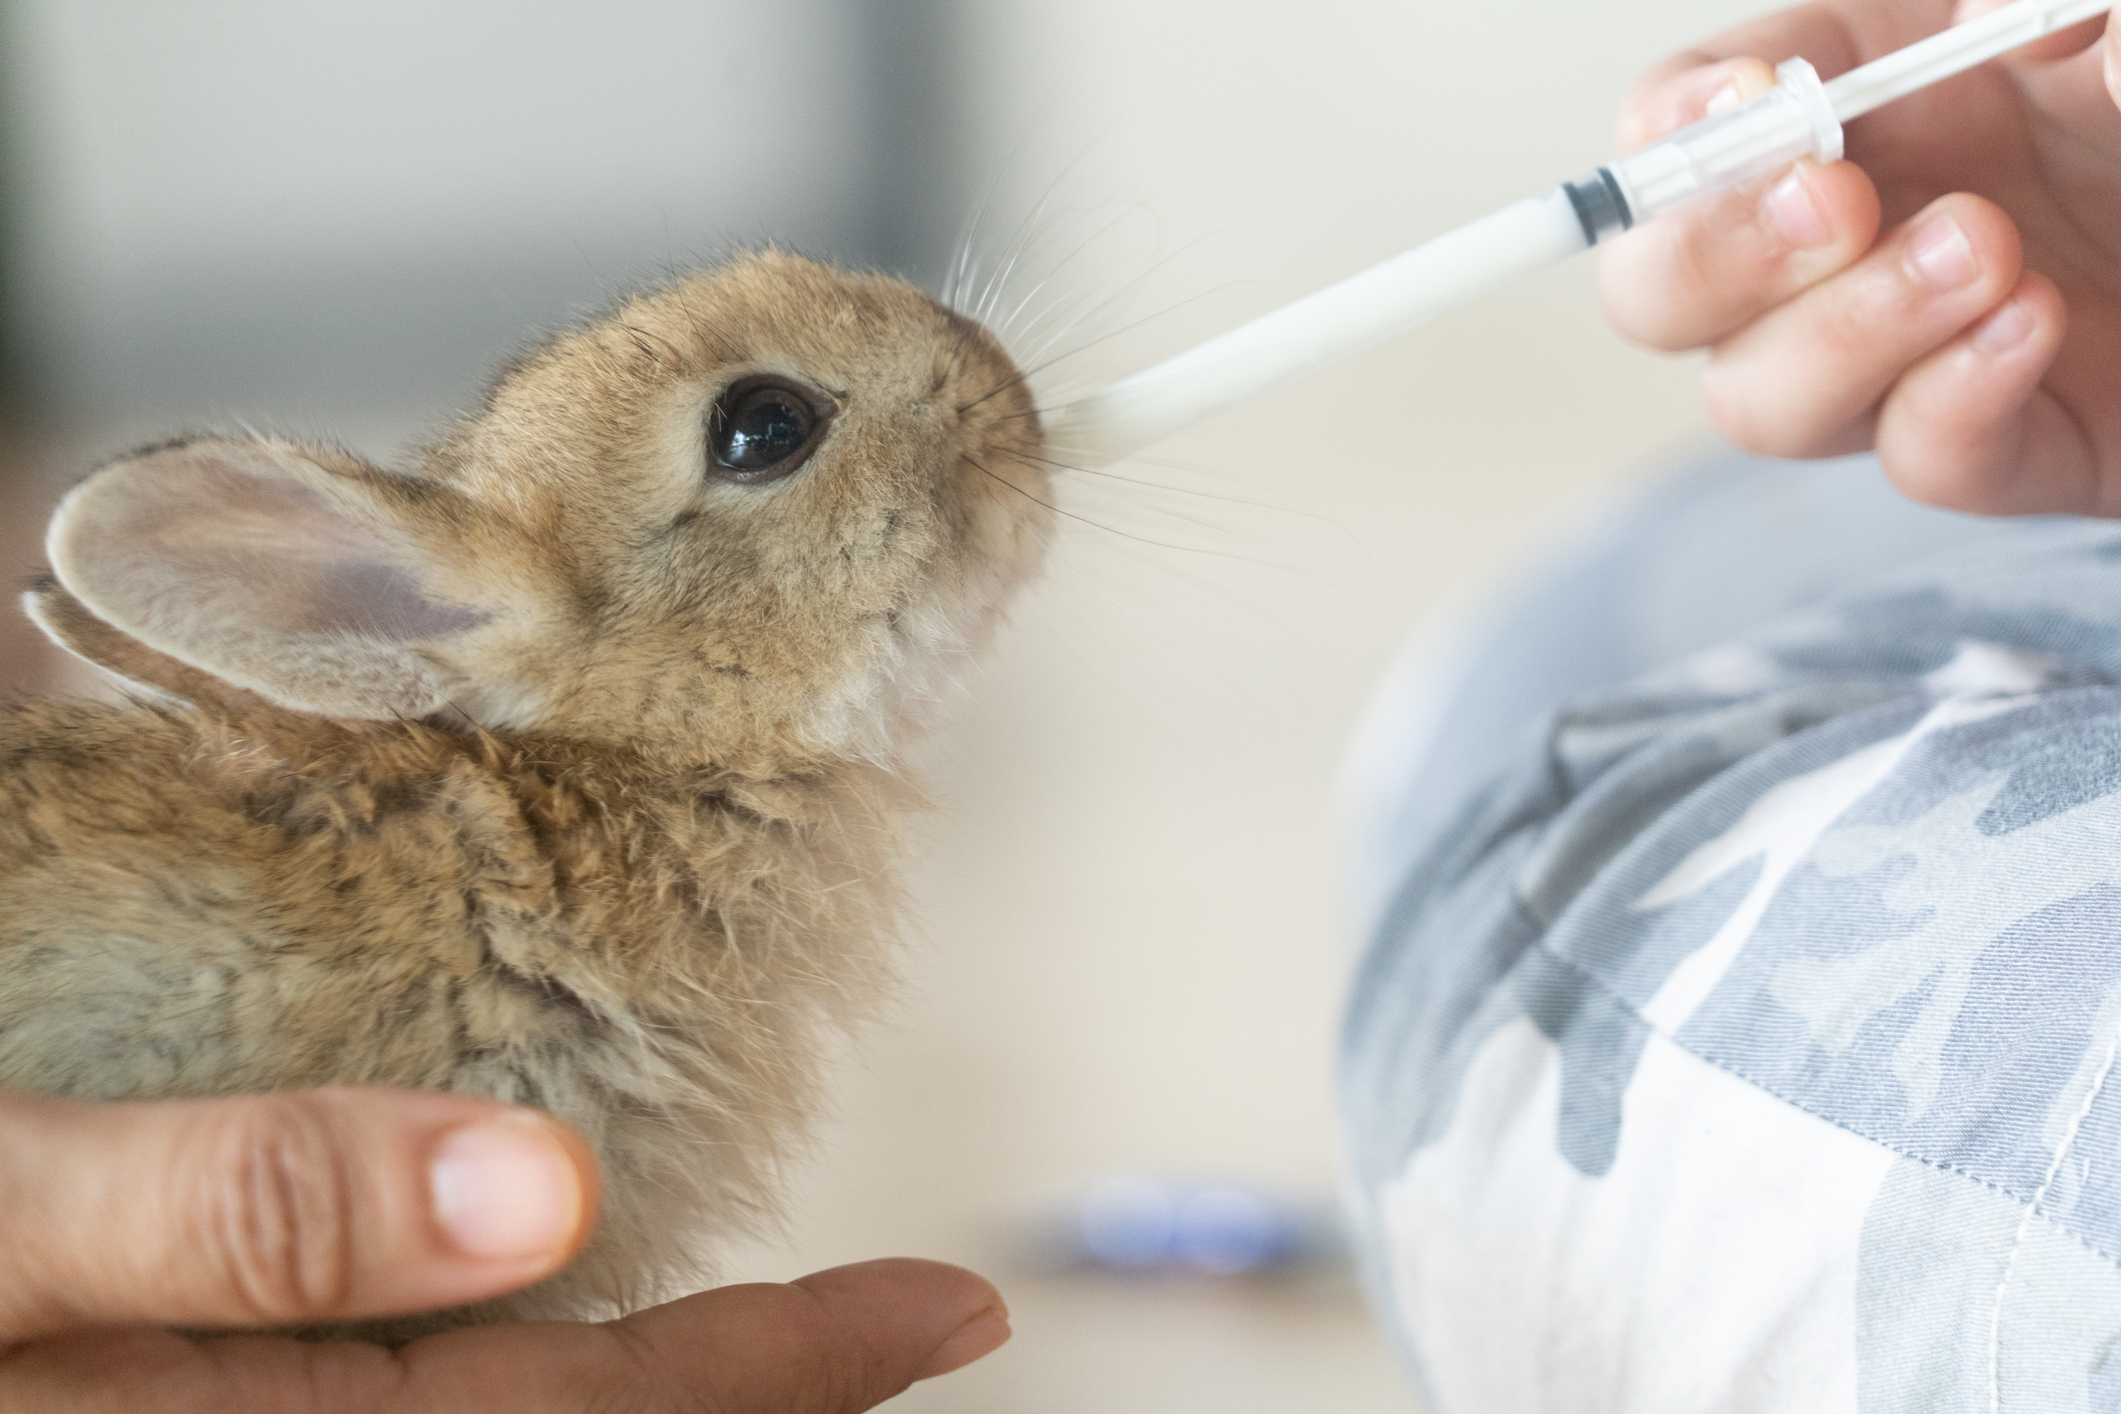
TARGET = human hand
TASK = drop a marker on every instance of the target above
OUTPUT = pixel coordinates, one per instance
(331, 1205)
(1950, 295)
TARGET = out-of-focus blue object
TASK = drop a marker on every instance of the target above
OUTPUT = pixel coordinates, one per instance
(1173, 1226)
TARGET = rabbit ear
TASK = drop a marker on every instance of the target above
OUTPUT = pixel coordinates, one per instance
(90, 639)
(256, 563)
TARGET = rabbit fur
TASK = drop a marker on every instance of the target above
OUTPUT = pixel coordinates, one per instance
(551, 769)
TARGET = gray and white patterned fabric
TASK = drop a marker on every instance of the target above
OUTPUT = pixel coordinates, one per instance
(1747, 1040)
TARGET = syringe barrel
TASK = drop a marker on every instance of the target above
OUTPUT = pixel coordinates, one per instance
(1791, 120)
(1316, 330)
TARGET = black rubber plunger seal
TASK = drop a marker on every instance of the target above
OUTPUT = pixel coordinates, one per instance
(1601, 206)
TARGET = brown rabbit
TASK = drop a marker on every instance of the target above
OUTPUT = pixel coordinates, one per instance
(560, 769)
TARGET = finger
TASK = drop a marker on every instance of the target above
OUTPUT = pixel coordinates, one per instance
(1805, 378)
(2110, 51)
(278, 1209)
(1969, 428)
(1701, 274)
(1668, 101)
(1815, 31)
(2059, 45)
(840, 1340)
(834, 1343)
(1704, 272)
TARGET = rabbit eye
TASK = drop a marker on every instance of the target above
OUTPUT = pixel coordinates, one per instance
(761, 430)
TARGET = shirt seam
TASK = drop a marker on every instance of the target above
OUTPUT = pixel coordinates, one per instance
(1728, 1068)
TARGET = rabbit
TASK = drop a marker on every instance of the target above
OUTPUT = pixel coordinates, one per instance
(562, 767)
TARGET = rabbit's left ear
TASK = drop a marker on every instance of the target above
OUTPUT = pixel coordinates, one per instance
(252, 561)
(66, 623)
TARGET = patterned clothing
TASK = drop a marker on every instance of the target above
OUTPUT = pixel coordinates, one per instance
(1745, 1038)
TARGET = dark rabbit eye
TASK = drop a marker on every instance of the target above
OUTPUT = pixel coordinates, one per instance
(762, 429)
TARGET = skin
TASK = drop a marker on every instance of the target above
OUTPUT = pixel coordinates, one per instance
(119, 1220)
(1949, 296)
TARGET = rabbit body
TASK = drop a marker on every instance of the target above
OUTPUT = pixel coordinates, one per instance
(560, 769)
(200, 903)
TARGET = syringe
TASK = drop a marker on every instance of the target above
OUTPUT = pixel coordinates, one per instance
(1799, 117)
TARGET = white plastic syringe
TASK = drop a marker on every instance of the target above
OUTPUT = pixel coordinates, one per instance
(1799, 117)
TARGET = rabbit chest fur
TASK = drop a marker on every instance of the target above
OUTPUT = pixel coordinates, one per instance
(561, 767)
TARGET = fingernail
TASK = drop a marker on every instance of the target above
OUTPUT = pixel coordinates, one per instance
(2003, 330)
(982, 1335)
(1792, 213)
(1723, 100)
(1938, 253)
(505, 1189)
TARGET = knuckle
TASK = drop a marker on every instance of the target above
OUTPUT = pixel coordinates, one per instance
(1691, 279)
(1643, 298)
(1638, 121)
(1699, 283)
(279, 1219)
(1852, 333)
(1761, 419)
(1938, 466)
(1749, 437)
(1645, 325)
(1925, 483)
(1736, 417)
(1661, 101)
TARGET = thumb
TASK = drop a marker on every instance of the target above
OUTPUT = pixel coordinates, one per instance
(1686, 90)
(279, 1209)
(2110, 47)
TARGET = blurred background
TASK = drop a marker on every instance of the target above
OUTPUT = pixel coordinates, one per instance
(333, 219)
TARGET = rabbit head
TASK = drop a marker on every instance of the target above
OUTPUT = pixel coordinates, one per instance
(754, 516)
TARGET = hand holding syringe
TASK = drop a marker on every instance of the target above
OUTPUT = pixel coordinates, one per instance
(2040, 136)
